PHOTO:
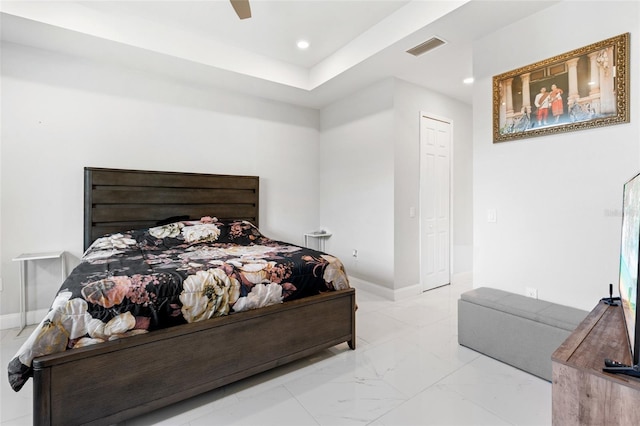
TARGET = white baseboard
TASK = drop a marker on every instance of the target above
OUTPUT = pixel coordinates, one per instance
(378, 290)
(385, 292)
(462, 278)
(13, 320)
(405, 292)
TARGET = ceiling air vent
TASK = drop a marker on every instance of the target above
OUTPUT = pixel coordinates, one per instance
(426, 46)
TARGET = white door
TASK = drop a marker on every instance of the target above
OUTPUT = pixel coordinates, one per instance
(435, 146)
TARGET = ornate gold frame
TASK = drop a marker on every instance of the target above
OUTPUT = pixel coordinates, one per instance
(595, 92)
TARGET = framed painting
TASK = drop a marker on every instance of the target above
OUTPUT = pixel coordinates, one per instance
(581, 89)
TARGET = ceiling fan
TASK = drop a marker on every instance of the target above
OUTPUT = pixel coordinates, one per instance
(242, 8)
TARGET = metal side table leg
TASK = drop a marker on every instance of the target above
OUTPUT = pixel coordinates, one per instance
(23, 297)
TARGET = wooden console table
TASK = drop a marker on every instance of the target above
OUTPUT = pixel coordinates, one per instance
(581, 393)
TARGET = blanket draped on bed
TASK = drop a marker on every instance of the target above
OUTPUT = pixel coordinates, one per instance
(138, 281)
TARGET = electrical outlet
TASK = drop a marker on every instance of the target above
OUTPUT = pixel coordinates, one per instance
(531, 292)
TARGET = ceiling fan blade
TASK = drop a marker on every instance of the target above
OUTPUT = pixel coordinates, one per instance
(242, 8)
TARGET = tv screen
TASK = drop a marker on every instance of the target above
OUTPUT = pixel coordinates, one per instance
(629, 252)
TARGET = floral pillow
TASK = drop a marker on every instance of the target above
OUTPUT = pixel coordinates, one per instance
(206, 230)
(240, 232)
(110, 245)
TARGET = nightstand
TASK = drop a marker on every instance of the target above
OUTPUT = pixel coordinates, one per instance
(24, 259)
(321, 236)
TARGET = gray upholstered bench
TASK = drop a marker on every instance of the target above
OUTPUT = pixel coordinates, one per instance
(517, 330)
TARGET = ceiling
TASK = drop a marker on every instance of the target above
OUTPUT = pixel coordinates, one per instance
(353, 43)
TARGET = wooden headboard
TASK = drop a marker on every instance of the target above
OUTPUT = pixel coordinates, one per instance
(120, 200)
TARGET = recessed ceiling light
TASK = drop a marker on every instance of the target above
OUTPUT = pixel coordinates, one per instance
(468, 80)
(302, 44)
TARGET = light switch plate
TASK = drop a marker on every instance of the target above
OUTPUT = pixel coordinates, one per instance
(492, 216)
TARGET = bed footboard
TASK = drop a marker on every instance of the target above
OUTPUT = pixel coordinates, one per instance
(111, 382)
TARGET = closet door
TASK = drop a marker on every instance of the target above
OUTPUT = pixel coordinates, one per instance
(435, 189)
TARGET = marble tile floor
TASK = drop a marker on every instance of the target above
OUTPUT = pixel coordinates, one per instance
(408, 369)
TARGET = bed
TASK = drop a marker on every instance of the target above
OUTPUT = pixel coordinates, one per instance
(110, 382)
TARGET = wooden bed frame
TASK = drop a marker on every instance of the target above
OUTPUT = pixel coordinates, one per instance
(114, 381)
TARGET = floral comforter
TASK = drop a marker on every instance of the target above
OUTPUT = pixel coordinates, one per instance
(182, 272)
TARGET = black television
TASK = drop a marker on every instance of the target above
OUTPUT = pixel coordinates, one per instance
(630, 264)
(628, 277)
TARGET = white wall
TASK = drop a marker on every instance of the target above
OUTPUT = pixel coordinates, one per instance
(356, 182)
(410, 100)
(553, 194)
(60, 114)
(366, 195)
